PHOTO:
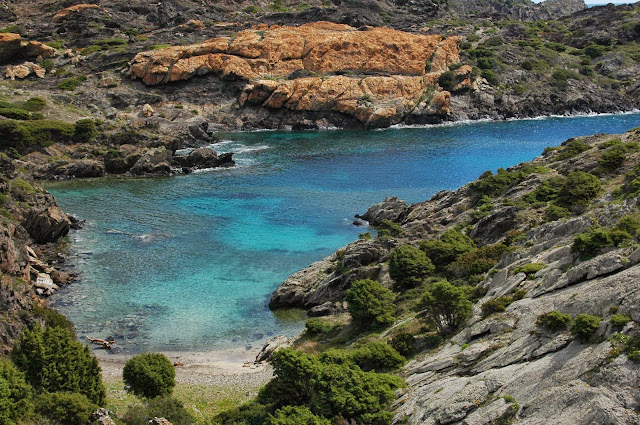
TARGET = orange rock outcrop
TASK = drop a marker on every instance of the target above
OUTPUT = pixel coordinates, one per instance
(12, 46)
(66, 13)
(382, 73)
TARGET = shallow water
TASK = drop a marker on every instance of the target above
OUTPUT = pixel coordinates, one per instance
(188, 263)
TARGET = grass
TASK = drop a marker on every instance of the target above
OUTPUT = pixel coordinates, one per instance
(203, 401)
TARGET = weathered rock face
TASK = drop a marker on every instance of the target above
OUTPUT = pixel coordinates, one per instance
(503, 367)
(46, 225)
(66, 13)
(282, 63)
(24, 70)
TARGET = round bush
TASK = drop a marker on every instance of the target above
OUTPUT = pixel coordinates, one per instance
(579, 188)
(584, 326)
(295, 415)
(370, 303)
(554, 321)
(409, 266)
(149, 375)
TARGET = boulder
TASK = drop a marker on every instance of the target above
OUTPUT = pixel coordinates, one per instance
(390, 209)
(102, 417)
(147, 110)
(46, 224)
(274, 344)
(154, 161)
(70, 12)
(23, 71)
(10, 45)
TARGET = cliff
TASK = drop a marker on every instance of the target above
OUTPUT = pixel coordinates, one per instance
(377, 75)
(544, 244)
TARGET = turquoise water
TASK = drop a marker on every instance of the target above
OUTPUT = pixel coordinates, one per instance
(189, 262)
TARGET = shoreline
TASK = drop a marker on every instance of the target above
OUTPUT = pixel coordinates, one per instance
(232, 367)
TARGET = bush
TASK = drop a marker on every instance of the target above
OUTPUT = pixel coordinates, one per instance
(15, 113)
(15, 394)
(554, 321)
(590, 243)
(370, 303)
(388, 228)
(246, 414)
(530, 269)
(579, 188)
(491, 77)
(501, 303)
(34, 104)
(613, 158)
(495, 184)
(70, 84)
(149, 375)
(295, 415)
(52, 318)
(295, 373)
(447, 305)
(447, 80)
(547, 191)
(555, 212)
(409, 266)
(404, 343)
(629, 224)
(378, 356)
(318, 327)
(53, 360)
(66, 408)
(347, 391)
(620, 320)
(162, 407)
(85, 131)
(445, 250)
(584, 326)
(594, 51)
(571, 148)
(27, 135)
(478, 261)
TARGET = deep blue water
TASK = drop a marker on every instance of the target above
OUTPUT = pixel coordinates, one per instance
(189, 262)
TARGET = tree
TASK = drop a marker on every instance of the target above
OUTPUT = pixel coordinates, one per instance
(149, 375)
(295, 415)
(15, 393)
(66, 408)
(579, 189)
(370, 303)
(447, 305)
(409, 266)
(294, 375)
(445, 250)
(54, 361)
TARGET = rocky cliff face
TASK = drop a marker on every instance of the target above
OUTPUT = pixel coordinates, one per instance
(503, 366)
(383, 74)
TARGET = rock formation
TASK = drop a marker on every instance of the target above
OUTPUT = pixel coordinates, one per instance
(12, 46)
(377, 75)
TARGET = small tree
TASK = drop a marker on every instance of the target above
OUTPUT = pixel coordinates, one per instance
(409, 266)
(15, 394)
(584, 326)
(294, 374)
(149, 375)
(370, 303)
(295, 415)
(579, 188)
(447, 305)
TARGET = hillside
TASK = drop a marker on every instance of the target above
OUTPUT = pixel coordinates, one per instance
(548, 253)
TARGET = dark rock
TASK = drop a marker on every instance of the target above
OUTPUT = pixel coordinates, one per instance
(358, 223)
(154, 162)
(327, 309)
(391, 209)
(46, 225)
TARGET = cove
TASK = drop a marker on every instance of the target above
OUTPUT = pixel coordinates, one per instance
(188, 263)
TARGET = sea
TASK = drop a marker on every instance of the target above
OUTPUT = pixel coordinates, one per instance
(188, 263)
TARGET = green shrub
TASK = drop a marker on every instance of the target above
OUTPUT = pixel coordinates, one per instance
(590, 243)
(93, 48)
(250, 413)
(409, 266)
(85, 131)
(388, 228)
(52, 318)
(530, 269)
(445, 250)
(34, 104)
(555, 212)
(447, 80)
(70, 84)
(447, 305)
(404, 343)
(251, 9)
(584, 326)
(318, 327)
(613, 158)
(378, 356)
(347, 391)
(478, 261)
(53, 360)
(15, 394)
(295, 373)
(370, 303)
(634, 356)
(500, 304)
(560, 77)
(547, 191)
(149, 375)
(495, 184)
(295, 415)
(161, 407)
(26, 135)
(594, 51)
(493, 41)
(66, 408)
(491, 77)
(571, 148)
(629, 224)
(15, 113)
(579, 189)
(554, 321)
(620, 320)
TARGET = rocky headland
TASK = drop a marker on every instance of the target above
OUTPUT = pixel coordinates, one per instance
(545, 237)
